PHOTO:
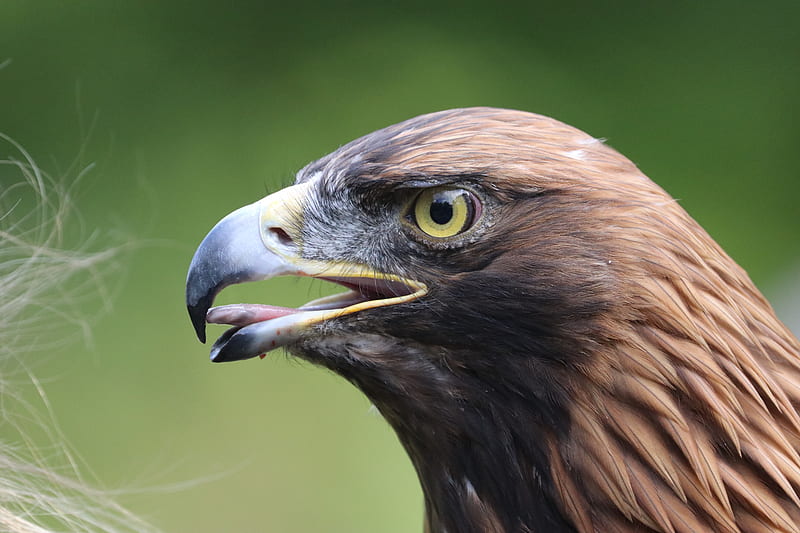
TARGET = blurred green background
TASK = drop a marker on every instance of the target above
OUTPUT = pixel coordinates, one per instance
(191, 109)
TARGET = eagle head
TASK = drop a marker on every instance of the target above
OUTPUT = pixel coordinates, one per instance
(557, 344)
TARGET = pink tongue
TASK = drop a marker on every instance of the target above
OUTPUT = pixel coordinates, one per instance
(245, 314)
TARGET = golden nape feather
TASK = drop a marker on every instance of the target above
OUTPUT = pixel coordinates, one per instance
(573, 354)
(686, 418)
(691, 422)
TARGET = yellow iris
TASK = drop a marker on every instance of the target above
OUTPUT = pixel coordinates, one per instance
(443, 212)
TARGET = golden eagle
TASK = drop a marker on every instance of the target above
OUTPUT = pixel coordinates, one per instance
(557, 344)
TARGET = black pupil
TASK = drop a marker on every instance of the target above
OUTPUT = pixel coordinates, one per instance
(441, 211)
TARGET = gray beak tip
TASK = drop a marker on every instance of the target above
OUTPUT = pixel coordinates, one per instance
(197, 313)
(200, 294)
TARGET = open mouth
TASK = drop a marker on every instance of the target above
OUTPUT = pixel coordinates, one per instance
(260, 328)
(261, 241)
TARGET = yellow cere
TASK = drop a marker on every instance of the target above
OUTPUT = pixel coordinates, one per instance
(443, 212)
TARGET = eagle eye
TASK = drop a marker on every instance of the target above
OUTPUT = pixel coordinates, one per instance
(443, 212)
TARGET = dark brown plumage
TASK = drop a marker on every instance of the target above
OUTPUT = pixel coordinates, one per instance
(578, 355)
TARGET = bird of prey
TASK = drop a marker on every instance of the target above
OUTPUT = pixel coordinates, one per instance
(558, 345)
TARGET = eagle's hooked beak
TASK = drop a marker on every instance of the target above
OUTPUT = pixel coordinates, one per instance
(264, 240)
(237, 250)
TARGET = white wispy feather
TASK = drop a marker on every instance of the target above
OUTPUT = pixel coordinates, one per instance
(44, 280)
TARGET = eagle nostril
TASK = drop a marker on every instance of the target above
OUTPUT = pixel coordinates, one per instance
(282, 237)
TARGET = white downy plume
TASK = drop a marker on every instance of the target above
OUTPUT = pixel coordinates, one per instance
(43, 280)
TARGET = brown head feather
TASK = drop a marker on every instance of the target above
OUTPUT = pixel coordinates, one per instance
(686, 418)
(684, 393)
(588, 359)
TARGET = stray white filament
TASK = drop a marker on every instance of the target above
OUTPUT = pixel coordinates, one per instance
(41, 279)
